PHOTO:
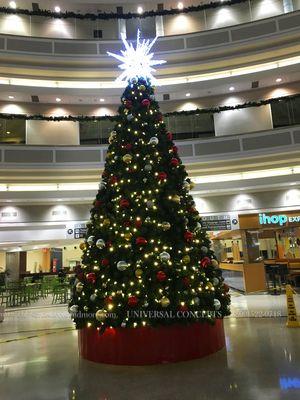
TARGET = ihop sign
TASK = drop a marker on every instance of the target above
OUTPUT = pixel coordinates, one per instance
(280, 219)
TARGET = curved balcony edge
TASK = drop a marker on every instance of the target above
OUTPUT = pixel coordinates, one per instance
(281, 141)
(286, 24)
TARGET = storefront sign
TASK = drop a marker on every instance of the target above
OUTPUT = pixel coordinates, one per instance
(221, 222)
(280, 219)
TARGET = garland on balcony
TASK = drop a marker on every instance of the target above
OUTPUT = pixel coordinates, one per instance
(115, 118)
(112, 15)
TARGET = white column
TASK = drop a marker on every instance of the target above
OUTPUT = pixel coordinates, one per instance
(159, 25)
(121, 27)
(288, 6)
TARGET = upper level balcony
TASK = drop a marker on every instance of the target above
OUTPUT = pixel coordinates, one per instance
(219, 52)
(169, 25)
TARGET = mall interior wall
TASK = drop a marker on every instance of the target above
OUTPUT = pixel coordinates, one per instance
(243, 121)
(52, 133)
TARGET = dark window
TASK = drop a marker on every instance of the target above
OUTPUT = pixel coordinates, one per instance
(98, 33)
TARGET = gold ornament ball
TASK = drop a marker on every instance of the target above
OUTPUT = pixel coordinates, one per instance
(138, 273)
(111, 139)
(100, 315)
(192, 185)
(142, 88)
(165, 302)
(106, 222)
(214, 263)
(127, 158)
(128, 236)
(176, 198)
(82, 246)
(186, 259)
(209, 285)
(79, 287)
(166, 226)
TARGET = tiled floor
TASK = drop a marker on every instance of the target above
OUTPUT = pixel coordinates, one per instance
(262, 362)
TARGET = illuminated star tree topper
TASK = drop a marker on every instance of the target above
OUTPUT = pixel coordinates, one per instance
(136, 62)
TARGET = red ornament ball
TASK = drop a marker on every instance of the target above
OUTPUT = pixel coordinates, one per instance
(170, 135)
(104, 262)
(132, 301)
(175, 149)
(138, 223)
(108, 243)
(226, 287)
(186, 281)
(128, 103)
(113, 179)
(145, 103)
(183, 308)
(174, 162)
(162, 176)
(91, 277)
(128, 146)
(161, 276)
(108, 299)
(98, 203)
(188, 236)
(126, 223)
(124, 203)
(205, 262)
(141, 241)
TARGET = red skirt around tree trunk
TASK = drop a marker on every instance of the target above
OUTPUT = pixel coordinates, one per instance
(148, 345)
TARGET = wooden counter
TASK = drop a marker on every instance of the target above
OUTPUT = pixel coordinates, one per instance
(253, 275)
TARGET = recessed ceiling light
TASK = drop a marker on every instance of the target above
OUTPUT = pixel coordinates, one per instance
(140, 10)
(102, 100)
(188, 94)
(57, 9)
(232, 88)
(180, 6)
(58, 100)
(279, 80)
(11, 97)
(12, 4)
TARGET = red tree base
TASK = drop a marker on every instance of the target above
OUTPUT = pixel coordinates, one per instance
(147, 345)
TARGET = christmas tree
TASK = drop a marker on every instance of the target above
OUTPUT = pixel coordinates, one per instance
(146, 259)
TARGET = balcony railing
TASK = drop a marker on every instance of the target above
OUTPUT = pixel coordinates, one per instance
(184, 127)
(44, 27)
(282, 140)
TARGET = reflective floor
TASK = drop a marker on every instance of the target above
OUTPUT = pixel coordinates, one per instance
(262, 362)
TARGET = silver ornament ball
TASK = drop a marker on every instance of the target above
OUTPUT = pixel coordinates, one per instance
(148, 168)
(122, 265)
(215, 281)
(100, 244)
(153, 140)
(90, 240)
(164, 256)
(217, 304)
(73, 309)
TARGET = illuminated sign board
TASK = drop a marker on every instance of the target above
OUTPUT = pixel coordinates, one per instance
(280, 219)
